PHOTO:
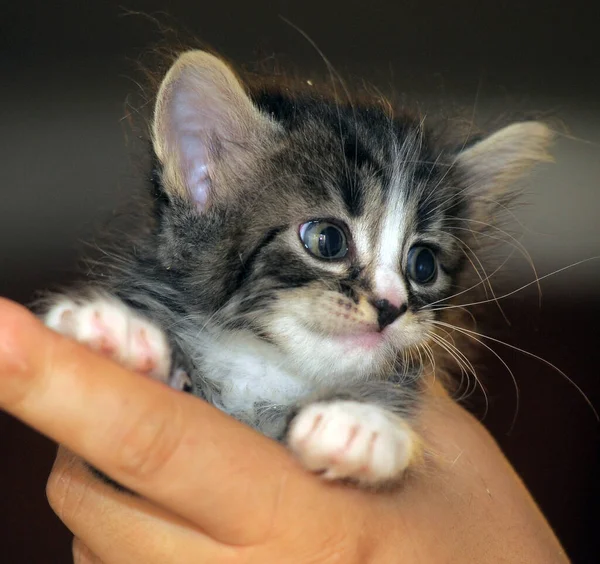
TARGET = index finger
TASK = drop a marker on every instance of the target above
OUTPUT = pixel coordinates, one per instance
(170, 447)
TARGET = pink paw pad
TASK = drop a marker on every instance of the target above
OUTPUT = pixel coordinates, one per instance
(113, 329)
(352, 440)
(142, 351)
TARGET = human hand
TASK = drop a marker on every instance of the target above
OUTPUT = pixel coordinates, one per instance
(213, 490)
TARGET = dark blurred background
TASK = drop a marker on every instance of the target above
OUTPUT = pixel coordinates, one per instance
(68, 162)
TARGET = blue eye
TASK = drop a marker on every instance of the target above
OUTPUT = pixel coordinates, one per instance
(324, 240)
(422, 265)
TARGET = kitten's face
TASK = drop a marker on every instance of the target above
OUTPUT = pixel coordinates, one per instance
(358, 247)
(325, 230)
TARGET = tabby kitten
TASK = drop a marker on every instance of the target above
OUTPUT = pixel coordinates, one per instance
(296, 246)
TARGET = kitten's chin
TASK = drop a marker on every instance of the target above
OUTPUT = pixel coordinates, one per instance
(330, 359)
(359, 341)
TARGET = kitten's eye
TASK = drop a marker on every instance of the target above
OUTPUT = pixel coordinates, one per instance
(324, 240)
(422, 265)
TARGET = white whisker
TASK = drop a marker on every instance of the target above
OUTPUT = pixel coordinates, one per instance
(475, 334)
(511, 293)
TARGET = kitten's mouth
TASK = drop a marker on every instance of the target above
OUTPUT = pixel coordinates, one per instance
(363, 341)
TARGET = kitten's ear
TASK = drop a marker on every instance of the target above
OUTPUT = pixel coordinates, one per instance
(203, 122)
(492, 164)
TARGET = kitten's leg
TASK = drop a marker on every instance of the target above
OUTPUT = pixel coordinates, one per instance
(110, 327)
(363, 434)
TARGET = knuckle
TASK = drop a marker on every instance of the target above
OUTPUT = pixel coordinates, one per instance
(82, 554)
(148, 442)
(64, 493)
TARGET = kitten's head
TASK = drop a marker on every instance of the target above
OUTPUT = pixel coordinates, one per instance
(325, 229)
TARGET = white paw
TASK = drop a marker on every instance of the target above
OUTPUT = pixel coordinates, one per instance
(347, 439)
(111, 328)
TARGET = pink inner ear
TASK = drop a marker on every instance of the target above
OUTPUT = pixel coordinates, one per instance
(189, 129)
(194, 161)
(201, 102)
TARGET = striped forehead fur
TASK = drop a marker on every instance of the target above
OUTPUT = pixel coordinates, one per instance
(378, 173)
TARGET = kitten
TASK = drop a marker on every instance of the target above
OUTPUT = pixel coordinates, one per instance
(295, 249)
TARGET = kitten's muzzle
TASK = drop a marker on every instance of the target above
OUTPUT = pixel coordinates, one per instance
(387, 313)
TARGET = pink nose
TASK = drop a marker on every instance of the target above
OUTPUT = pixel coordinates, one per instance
(389, 287)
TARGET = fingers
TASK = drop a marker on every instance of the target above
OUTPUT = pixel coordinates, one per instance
(170, 447)
(117, 528)
(83, 555)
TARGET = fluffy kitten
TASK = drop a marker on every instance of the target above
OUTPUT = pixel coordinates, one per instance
(296, 245)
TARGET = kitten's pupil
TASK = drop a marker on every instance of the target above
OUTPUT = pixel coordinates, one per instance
(324, 240)
(330, 241)
(422, 265)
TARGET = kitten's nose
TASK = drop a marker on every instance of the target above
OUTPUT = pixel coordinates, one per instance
(388, 313)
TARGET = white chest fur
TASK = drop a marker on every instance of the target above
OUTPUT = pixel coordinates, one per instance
(249, 371)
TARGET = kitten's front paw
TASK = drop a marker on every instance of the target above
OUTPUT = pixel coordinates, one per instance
(113, 329)
(357, 441)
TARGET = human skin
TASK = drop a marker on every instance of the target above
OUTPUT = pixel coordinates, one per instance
(213, 490)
